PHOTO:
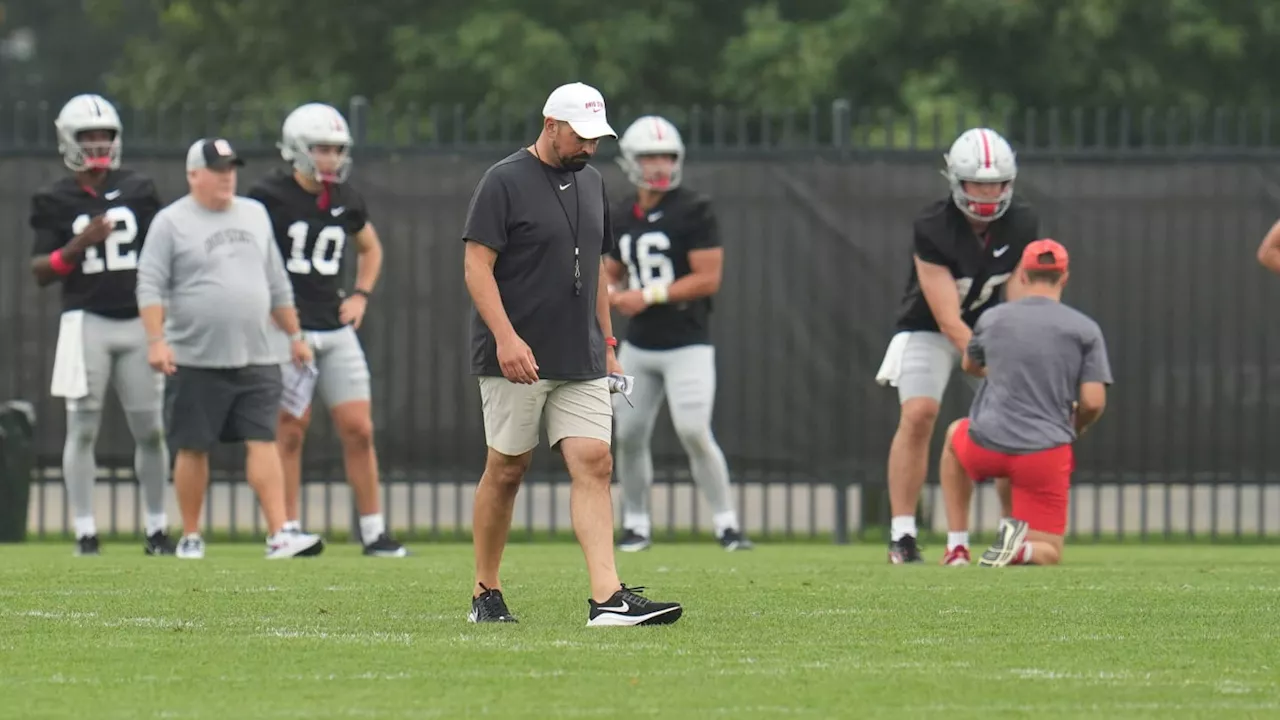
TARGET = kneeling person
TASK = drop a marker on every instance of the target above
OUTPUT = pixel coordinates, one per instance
(1046, 373)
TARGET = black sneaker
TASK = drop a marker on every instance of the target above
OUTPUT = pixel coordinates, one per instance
(159, 543)
(87, 545)
(732, 540)
(633, 541)
(384, 546)
(904, 551)
(490, 608)
(627, 608)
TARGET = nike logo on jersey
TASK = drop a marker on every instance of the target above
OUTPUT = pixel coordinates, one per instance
(112, 195)
(336, 211)
(1000, 252)
(655, 216)
(619, 609)
(562, 187)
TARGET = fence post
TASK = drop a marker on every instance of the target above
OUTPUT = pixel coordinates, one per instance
(357, 121)
(841, 119)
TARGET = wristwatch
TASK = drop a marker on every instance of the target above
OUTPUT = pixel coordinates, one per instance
(361, 291)
(297, 337)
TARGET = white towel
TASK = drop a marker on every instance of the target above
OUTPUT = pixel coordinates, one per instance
(299, 387)
(70, 378)
(891, 368)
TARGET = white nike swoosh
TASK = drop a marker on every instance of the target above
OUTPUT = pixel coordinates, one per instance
(112, 195)
(336, 211)
(562, 187)
(1000, 252)
(624, 607)
(655, 217)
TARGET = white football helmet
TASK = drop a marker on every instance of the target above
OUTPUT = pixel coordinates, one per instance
(310, 125)
(651, 135)
(981, 155)
(83, 113)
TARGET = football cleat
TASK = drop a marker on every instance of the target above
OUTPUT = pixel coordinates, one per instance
(1008, 544)
(904, 551)
(958, 555)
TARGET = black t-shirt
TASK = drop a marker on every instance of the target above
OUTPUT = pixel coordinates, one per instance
(105, 282)
(979, 264)
(312, 241)
(528, 212)
(654, 246)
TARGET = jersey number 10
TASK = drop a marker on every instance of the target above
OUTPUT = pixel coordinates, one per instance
(326, 256)
(126, 224)
(646, 259)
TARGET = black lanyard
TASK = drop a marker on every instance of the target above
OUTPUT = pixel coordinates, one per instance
(573, 226)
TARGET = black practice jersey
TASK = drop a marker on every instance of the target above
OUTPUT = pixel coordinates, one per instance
(105, 282)
(312, 240)
(980, 264)
(654, 247)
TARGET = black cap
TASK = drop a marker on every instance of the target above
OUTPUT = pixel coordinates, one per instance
(212, 153)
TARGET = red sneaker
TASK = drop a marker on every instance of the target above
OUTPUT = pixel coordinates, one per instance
(1023, 556)
(958, 555)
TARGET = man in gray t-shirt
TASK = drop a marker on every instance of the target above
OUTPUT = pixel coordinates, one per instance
(210, 284)
(536, 232)
(1046, 371)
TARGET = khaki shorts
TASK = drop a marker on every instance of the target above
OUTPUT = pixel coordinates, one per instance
(573, 408)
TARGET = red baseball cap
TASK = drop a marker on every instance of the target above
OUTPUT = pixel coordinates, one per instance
(1046, 254)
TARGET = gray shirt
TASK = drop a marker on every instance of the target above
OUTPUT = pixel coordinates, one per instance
(535, 217)
(219, 274)
(1037, 353)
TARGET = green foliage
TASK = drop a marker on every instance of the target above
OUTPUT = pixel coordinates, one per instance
(916, 60)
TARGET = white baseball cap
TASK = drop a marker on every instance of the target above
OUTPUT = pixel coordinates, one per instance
(582, 106)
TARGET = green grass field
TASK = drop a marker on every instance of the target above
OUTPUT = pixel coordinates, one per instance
(810, 631)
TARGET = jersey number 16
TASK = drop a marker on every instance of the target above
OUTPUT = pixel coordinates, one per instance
(126, 231)
(646, 259)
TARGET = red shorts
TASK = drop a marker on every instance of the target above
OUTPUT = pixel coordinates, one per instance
(1040, 480)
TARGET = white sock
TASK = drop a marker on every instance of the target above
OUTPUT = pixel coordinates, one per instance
(156, 522)
(191, 536)
(85, 527)
(291, 526)
(727, 520)
(956, 539)
(638, 523)
(372, 527)
(902, 525)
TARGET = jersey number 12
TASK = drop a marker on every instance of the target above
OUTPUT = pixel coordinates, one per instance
(126, 231)
(646, 259)
(326, 257)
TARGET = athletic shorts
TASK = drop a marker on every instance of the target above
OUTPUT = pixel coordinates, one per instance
(1041, 481)
(513, 413)
(206, 406)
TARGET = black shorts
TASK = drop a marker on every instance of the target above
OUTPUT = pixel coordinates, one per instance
(205, 406)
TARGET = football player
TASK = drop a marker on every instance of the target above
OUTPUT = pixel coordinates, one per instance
(965, 249)
(89, 229)
(314, 212)
(664, 270)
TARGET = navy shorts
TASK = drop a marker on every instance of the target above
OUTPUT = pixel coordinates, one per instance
(206, 406)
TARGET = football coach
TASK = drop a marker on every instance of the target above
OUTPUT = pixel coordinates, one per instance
(536, 230)
(210, 282)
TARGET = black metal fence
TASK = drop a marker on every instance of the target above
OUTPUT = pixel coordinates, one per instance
(1162, 220)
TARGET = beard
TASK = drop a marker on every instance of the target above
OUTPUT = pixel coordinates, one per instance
(576, 162)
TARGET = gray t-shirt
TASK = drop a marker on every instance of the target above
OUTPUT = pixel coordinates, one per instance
(219, 274)
(530, 213)
(1037, 353)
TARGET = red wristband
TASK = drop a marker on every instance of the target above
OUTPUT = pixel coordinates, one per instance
(611, 341)
(59, 264)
